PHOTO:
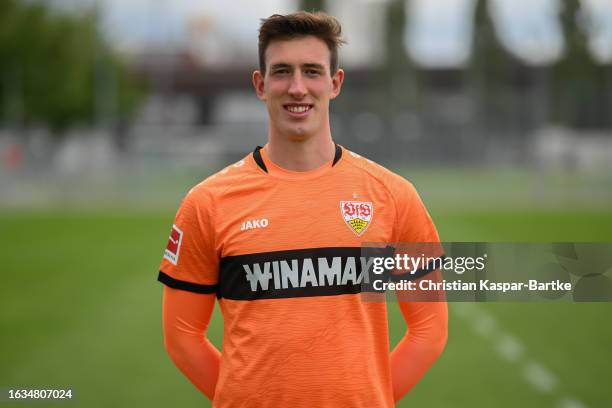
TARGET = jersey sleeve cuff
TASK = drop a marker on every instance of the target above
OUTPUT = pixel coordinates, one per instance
(183, 285)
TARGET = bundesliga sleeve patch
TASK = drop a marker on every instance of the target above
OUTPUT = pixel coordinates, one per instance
(357, 215)
(174, 245)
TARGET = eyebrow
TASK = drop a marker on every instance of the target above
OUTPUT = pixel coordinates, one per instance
(283, 65)
(279, 66)
(315, 66)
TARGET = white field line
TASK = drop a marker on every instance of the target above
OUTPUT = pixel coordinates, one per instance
(568, 402)
(540, 377)
(512, 350)
(509, 348)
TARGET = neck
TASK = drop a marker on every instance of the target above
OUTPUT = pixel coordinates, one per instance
(301, 155)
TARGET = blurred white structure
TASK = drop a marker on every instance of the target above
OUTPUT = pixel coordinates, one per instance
(529, 29)
(439, 32)
(597, 17)
(561, 148)
(219, 37)
(363, 26)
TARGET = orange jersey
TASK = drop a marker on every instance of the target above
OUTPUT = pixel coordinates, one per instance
(282, 250)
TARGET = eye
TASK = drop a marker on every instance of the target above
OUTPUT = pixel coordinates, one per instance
(280, 71)
(312, 72)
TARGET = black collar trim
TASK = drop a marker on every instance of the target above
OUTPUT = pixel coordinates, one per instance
(337, 155)
(259, 160)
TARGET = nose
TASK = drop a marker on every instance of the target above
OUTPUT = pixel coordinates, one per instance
(297, 87)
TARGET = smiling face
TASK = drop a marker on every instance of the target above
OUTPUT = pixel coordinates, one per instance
(297, 87)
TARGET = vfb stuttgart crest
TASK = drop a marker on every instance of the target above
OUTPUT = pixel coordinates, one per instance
(357, 214)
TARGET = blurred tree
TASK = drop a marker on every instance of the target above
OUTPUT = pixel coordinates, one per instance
(581, 92)
(400, 73)
(310, 5)
(402, 106)
(489, 70)
(49, 68)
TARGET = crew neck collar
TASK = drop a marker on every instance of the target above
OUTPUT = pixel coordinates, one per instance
(263, 161)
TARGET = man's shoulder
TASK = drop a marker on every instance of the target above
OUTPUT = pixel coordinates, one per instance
(220, 182)
(369, 168)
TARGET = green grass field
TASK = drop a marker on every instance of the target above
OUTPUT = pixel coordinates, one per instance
(80, 308)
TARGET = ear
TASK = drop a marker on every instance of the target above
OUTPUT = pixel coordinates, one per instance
(258, 84)
(337, 80)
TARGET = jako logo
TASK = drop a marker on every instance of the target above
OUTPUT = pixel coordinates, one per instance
(252, 224)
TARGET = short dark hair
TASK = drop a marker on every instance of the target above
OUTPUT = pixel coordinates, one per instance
(301, 24)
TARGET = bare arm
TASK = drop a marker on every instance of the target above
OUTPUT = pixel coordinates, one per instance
(185, 317)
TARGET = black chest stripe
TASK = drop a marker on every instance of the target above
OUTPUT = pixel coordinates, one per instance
(300, 273)
(297, 273)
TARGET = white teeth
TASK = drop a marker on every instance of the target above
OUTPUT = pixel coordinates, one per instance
(297, 109)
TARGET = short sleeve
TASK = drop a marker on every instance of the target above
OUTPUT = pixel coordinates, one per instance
(190, 261)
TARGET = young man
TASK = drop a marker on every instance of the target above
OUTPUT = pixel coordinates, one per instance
(277, 238)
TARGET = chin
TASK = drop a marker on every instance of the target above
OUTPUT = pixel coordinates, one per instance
(298, 134)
